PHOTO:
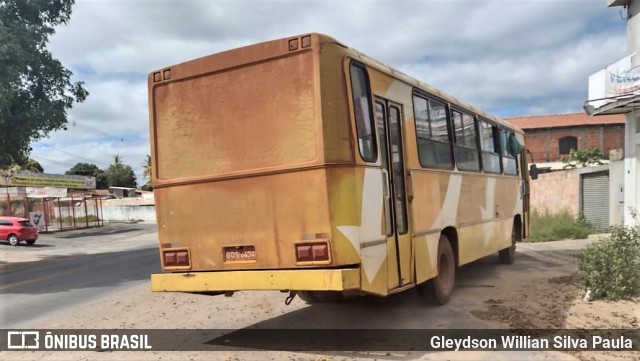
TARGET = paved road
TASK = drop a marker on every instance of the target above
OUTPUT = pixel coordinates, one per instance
(111, 237)
(99, 279)
(73, 268)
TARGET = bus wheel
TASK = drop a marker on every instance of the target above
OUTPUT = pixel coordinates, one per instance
(440, 288)
(508, 255)
(311, 297)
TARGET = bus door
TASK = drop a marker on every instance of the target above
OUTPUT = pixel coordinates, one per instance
(525, 192)
(389, 124)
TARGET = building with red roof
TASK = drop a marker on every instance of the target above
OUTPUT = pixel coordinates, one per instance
(551, 137)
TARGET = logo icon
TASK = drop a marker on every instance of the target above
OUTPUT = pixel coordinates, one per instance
(20, 340)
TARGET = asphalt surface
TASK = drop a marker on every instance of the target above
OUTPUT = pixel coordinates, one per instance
(73, 268)
(99, 278)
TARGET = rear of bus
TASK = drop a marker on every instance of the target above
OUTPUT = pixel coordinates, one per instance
(239, 171)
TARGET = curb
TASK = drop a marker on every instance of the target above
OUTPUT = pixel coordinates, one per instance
(598, 236)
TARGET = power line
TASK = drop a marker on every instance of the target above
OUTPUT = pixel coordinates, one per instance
(55, 162)
(121, 139)
(77, 156)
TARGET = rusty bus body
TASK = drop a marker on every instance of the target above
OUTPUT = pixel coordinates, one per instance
(301, 164)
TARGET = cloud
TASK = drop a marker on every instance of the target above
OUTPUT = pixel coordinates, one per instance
(512, 58)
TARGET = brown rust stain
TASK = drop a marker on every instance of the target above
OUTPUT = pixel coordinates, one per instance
(211, 124)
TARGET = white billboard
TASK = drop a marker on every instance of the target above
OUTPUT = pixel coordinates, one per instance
(46, 192)
(618, 80)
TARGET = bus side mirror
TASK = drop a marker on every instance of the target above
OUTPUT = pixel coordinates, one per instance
(533, 171)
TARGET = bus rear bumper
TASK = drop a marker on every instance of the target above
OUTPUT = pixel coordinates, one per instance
(299, 280)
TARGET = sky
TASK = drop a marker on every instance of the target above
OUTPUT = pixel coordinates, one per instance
(509, 57)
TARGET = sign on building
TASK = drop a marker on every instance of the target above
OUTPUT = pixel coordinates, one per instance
(46, 192)
(37, 219)
(28, 179)
(618, 80)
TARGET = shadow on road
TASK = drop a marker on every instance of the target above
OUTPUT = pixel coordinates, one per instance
(66, 273)
(96, 232)
(22, 244)
(534, 293)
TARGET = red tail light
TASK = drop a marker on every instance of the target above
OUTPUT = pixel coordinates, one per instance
(176, 259)
(312, 252)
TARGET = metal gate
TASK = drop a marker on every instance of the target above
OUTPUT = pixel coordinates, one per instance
(594, 198)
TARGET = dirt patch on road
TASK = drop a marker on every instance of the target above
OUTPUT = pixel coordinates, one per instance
(557, 303)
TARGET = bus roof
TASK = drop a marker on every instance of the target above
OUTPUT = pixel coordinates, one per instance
(248, 54)
(418, 84)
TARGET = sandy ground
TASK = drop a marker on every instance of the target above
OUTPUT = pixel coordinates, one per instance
(540, 291)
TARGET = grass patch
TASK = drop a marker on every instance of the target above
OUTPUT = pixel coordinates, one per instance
(558, 226)
(127, 221)
(80, 219)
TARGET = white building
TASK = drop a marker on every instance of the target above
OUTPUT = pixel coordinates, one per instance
(616, 90)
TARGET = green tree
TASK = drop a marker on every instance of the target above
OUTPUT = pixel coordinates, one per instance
(117, 160)
(585, 158)
(90, 170)
(33, 165)
(85, 169)
(35, 89)
(120, 175)
(27, 164)
(146, 172)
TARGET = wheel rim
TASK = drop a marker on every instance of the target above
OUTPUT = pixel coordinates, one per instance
(13, 240)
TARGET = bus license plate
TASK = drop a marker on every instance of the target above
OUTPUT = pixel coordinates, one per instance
(239, 253)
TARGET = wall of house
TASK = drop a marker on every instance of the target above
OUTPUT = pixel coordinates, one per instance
(112, 213)
(556, 192)
(616, 192)
(559, 191)
(544, 143)
(129, 209)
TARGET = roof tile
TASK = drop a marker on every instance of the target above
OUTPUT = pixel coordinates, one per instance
(565, 120)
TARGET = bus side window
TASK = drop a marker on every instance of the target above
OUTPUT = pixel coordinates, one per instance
(362, 107)
(507, 148)
(466, 146)
(490, 147)
(432, 133)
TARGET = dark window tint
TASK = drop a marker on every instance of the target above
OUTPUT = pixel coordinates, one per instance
(466, 145)
(490, 147)
(566, 144)
(395, 129)
(5, 223)
(362, 106)
(434, 145)
(382, 135)
(508, 151)
(25, 223)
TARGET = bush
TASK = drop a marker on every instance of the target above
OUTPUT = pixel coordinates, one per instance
(557, 226)
(611, 267)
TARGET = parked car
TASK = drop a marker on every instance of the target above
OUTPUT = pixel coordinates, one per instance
(16, 230)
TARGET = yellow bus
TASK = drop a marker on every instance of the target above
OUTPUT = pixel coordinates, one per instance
(305, 166)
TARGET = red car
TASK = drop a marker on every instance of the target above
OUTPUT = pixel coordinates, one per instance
(15, 230)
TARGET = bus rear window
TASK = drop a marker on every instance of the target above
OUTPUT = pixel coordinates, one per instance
(245, 119)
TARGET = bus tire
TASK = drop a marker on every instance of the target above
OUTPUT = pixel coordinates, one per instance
(440, 288)
(312, 297)
(508, 255)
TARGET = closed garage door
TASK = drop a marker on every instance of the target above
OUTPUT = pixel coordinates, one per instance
(594, 199)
